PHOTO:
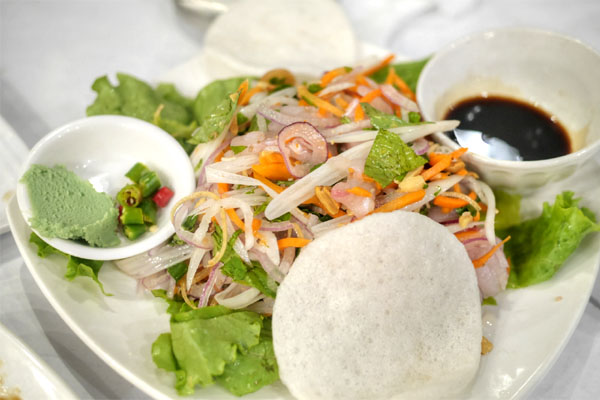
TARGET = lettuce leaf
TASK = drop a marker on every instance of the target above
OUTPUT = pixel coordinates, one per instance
(408, 71)
(250, 275)
(75, 266)
(163, 106)
(215, 342)
(390, 158)
(538, 247)
(217, 121)
(509, 209)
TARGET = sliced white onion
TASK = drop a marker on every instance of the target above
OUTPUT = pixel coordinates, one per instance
(398, 98)
(353, 137)
(143, 265)
(326, 226)
(434, 187)
(411, 133)
(285, 119)
(238, 296)
(216, 176)
(351, 107)
(197, 257)
(327, 174)
(345, 128)
(236, 164)
(264, 306)
(336, 87)
(248, 139)
(229, 202)
(486, 195)
(269, 248)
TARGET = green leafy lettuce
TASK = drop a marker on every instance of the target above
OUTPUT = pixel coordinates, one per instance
(233, 347)
(247, 274)
(408, 71)
(509, 209)
(75, 266)
(538, 247)
(163, 106)
(214, 108)
(390, 158)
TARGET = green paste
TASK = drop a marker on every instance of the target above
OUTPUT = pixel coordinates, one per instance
(68, 207)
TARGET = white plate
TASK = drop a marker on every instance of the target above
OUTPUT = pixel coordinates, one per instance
(531, 327)
(24, 374)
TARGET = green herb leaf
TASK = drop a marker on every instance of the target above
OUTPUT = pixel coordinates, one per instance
(345, 120)
(214, 124)
(177, 271)
(390, 158)
(314, 87)
(409, 72)
(538, 247)
(189, 223)
(285, 217)
(176, 305)
(509, 210)
(489, 301)
(238, 149)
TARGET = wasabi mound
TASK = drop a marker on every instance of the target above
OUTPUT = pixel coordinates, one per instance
(68, 207)
(383, 308)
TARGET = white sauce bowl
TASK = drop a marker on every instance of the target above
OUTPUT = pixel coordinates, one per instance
(102, 149)
(552, 72)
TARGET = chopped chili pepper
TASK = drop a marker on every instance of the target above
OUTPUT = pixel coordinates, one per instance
(162, 197)
(150, 183)
(130, 196)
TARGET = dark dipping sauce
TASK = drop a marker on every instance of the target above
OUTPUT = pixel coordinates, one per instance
(536, 134)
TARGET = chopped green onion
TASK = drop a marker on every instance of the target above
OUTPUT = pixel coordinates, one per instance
(132, 215)
(149, 209)
(150, 183)
(134, 231)
(130, 196)
(136, 172)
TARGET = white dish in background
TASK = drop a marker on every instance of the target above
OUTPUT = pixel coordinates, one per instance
(102, 149)
(529, 327)
(12, 154)
(555, 73)
(24, 374)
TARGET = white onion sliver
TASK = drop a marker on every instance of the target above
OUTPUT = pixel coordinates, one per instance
(398, 98)
(238, 296)
(197, 256)
(329, 173)
(411, 133)
(143, 265)
(344, 128)
(326, 226)
(353, 137)
(336, 87)
(236, 164)
(430, 192)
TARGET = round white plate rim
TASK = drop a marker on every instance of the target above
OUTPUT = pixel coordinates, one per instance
(17, 346)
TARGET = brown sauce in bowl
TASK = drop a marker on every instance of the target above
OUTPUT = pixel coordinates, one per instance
(536, 134)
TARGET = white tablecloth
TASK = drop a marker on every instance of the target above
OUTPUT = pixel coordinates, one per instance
(51, 51)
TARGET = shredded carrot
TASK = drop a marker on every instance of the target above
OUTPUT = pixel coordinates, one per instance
(477, 216)
(404, 88)
(367, 178)
(397, 111)
(480, 262)
(222, 188)
(357, 190)
(292, 242)
(439, 166)
(449, 202)
(446, 210)
(472, 195)
(322, 112)
(361, 80)
(331, 75)
(341, 102)
(256, 223)
(359, 114)
(389, 79)
(220, 155)
(318, 102)
(468, 234)
(401, 202)
(260, 177)
(248, 95)
(339, 214)
(271, 165)
(235, 219)
(456, 188)
(369, 97)
(439, 176)
(462, 172)
(302, 103)
(243, 88)
(458, 152)
(378, 66)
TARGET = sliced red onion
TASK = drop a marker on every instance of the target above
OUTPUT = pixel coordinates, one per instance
(209, 160)
(420, 146)
(271, 269)
(302, 146)
(436, 214)
(493, 275)
(264, 306)
(285, 119)
(159, 280)
(276, 226)
(399, 99)
(289, 253)
(363, 90)
(209, 285)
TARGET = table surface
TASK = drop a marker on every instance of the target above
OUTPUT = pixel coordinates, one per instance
(51, 51)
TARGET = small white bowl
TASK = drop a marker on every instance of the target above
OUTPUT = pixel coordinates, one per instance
(102, 149)
(558, 74)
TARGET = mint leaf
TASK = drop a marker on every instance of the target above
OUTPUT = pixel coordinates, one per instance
(177, 271)
(408, 71)
(538, 247)
(390, 158)
(238, 149)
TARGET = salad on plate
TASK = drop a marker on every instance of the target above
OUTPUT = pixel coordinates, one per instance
(280, 161)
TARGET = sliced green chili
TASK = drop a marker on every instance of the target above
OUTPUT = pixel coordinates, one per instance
(132, 215)
(149, 209)
(130, 196)
(150, 183)
(134, 231)
(136, 172)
